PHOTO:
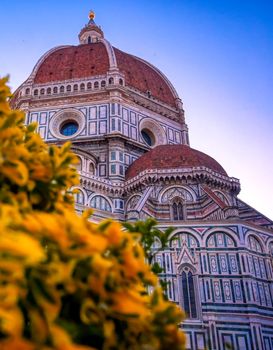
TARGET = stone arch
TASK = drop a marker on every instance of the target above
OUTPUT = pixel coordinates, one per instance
(227, 231)
(187, 194)
(80, 164)
(132, 201)
(94, 195)
(253, 234)
(269, 246)
(87, 158)
(186, 231)
(219, 239)
(91, 167)
(83, 192)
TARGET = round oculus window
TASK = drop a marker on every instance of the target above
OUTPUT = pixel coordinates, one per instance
(148, 137)
(69, 128)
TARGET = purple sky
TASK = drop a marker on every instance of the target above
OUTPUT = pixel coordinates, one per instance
(218, 55)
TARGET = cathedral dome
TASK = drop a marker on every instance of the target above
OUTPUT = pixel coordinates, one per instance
(173, 156)
(90, 60)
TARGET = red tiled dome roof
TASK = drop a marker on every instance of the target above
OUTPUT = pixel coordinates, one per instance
(88, 60)
(73, 62)
(142, 76)
(173, 156)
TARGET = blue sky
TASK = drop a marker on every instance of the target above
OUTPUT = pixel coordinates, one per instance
(218, 54)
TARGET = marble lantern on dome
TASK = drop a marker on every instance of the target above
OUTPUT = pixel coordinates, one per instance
(127, 126)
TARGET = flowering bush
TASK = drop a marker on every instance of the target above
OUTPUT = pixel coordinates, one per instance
(66, 283)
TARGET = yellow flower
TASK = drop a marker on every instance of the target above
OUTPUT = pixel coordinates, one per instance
(130, 302)
(16, 172)
(14, 269)
(39, 326)
(16, 343)
(22, 246)
(8, 295)
(62, 341)
(11, 321)
(114, 233)
(59, 270)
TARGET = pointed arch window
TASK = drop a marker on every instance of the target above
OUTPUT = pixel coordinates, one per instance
(189, 294)
(177, 211)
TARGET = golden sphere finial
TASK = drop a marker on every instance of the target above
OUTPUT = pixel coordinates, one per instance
(91, 15)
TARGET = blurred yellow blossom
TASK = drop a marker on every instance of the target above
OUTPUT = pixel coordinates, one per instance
(65, 282)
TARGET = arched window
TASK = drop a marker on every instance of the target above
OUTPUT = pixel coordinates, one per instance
(220, 240)
(111, 81)
(79, 197)
(271, 249)
(68, 88)
(36, 92)
(82, 87)
(48, 91)
(99, 202)
(89, 40)
(79, 164)
(179, 238)
(103, 83)
(254, 244)
(27, 91)
(62, 89)
(177, 211)
(120, 82)
(89, 86)
(96, 85)
(75, 87)
(42, 92)
(91, 169)
(188, 293)
(55, 90)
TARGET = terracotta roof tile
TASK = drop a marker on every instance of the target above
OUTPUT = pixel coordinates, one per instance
(141, 76)
(173, 156)
(73, 62)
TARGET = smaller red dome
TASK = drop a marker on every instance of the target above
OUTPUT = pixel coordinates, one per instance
(173, 156)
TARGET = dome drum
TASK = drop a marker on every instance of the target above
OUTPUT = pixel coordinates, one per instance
(67, 65)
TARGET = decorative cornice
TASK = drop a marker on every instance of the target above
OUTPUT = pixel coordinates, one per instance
(199, 174)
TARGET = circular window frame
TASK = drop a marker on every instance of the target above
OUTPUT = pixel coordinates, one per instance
(64, 116)
(154, 130)
(69, 121)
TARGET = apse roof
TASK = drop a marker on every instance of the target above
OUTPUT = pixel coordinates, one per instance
(171, 157)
